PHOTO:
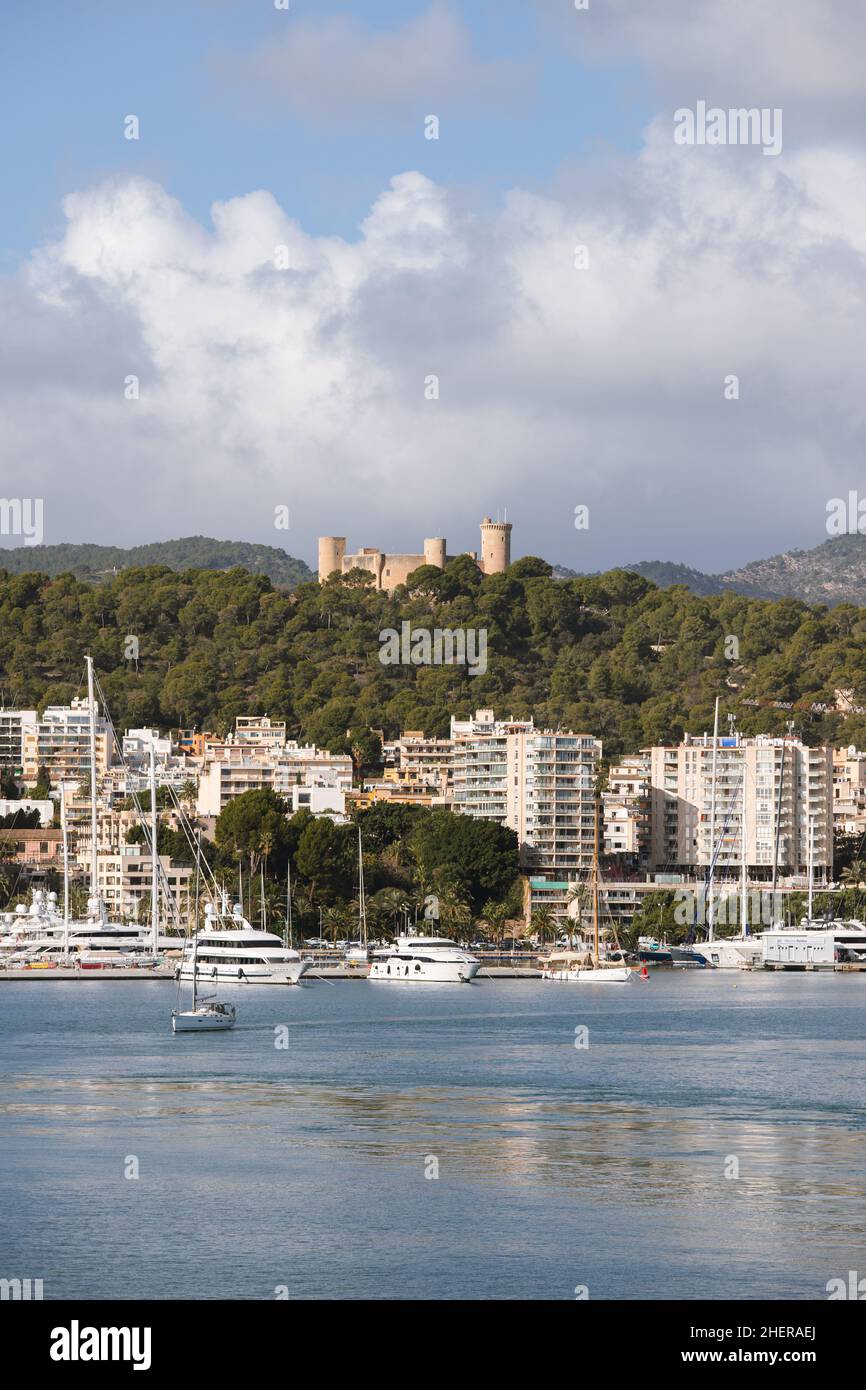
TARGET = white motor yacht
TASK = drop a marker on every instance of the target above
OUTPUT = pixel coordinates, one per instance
(424, 958)
(228, 948)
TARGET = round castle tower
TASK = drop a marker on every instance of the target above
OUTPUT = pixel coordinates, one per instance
(331, 552)
(495, 546)
(434, 552)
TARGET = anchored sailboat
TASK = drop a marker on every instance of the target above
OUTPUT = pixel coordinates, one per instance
(586, 967)
(210, 1015)
(357, 952)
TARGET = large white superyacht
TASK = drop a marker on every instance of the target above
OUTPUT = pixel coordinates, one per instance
(228, 949)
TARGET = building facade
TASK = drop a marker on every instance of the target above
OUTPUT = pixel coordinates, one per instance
(539, 783)
(60, 743)
(788, 801)
(12, 724)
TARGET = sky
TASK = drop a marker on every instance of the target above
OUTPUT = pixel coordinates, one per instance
(283, 298)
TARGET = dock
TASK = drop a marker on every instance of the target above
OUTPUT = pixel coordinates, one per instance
(69, 973)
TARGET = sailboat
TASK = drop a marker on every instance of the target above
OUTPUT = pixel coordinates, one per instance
(584, 967)
(357, 952)
(744, 950)
(210, 1015)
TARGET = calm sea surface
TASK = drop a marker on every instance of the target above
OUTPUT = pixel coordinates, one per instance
(303, 1167)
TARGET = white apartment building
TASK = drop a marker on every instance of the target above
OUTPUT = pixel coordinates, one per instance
(12, 722)
(295, 766)
(136, 745)
(799, 805)
(254, 731)
(59, 741)
(538, 782)
(125, 883)
(320, 801)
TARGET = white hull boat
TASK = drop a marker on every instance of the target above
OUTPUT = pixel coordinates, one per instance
(731, 953)
(426, 960)
(616, 975)
(209, 1017)
(577, 968)
(228, 950)
(244, 969)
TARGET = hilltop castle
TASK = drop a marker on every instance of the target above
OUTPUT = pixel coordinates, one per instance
(390, 570)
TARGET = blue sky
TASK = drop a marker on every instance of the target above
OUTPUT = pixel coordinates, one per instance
(98, 61)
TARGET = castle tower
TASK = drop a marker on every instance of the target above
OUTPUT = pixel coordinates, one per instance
(434, 552)
(495, 546)
(331, 552)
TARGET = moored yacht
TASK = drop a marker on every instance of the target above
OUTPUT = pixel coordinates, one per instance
(730, 952)
(584, 968)
(589, 966)
(651, 951)
(424, 958)
(228, 948)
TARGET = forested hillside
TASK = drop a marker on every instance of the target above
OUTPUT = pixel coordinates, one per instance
(98, 562)
(610, 655)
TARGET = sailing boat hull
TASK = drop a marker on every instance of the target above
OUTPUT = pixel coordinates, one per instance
(202, 1021)
(602, 975)
(615, 976)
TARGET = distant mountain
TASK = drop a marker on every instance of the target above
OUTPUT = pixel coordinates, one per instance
(833, 572)
(94, 562)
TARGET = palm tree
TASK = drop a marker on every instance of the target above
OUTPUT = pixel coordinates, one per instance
(455, 915)
(188, 795)
(496, 916)
(855, 875)
(335, 919)
(391, 904)
(543, 921)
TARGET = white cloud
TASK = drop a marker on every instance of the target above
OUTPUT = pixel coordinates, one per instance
(337, 69)
(804, 57)
(603, 386)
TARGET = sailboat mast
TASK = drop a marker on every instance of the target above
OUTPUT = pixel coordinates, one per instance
(94, 851)
(744, 915)
(811, 864)
(154, 859)
(595, 881)
(710, 910)
(778, 823)
(195, 922)
(65, 871)
(361, 900)
(289, 932)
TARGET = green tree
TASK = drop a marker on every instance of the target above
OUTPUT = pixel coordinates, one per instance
(480, 855)
(254, 824)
